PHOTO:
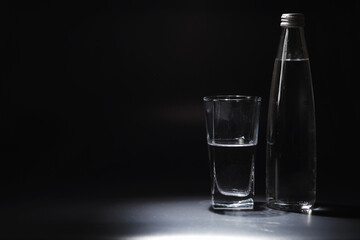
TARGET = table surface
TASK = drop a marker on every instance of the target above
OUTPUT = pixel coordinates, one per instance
(168, 218)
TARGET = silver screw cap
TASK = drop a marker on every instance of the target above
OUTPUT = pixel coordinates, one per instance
(292, 20)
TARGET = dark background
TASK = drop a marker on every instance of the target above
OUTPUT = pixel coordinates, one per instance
(106, 97)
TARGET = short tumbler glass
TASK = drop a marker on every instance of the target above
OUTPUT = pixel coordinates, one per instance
(232, 123)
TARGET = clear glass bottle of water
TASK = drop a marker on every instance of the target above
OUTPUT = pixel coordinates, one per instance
(291, 136)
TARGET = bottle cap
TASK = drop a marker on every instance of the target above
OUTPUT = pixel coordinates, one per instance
(292, 20)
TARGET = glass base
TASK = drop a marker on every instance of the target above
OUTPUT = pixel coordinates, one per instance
(246, 204)
(300, 206)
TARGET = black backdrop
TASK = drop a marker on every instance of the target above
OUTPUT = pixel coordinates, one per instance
(108, 94)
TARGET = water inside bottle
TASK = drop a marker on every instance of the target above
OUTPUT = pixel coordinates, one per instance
(291, 148)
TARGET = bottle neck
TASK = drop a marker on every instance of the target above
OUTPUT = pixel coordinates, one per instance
(292, 44)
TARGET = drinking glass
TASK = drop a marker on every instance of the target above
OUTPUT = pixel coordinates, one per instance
(232, 123)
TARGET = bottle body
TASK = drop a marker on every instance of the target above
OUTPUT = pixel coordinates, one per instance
(291, 130)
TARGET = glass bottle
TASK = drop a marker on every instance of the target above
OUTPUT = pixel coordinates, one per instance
(291, 135)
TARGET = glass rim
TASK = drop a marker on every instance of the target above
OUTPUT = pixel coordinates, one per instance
(228, 98)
